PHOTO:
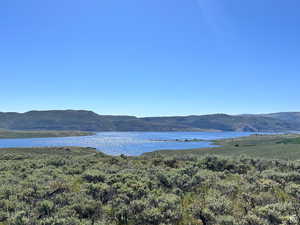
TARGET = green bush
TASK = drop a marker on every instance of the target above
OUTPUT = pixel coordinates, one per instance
(93, 189)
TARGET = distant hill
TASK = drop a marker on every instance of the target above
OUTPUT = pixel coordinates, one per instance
(293, 117)
(90, 121)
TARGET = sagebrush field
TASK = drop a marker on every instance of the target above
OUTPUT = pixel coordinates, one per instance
(71, 186)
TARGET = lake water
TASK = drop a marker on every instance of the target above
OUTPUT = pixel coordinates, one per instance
(128, 143)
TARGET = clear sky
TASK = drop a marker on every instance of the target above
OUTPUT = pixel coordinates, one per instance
(150, 57)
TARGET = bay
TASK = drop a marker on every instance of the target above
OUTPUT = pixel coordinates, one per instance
(128, 143)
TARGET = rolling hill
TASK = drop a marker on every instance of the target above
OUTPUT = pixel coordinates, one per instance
(90, 121)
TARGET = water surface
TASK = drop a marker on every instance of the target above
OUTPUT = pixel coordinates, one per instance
(128, 143)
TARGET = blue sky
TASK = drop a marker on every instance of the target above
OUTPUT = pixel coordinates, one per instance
(150, 57)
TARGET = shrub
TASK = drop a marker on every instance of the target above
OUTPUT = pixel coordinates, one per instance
(94, 176)
(45, 208)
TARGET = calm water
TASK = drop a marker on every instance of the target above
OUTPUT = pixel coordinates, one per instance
(129, 143)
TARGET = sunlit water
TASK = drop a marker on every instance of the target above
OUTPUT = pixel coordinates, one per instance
(128, 143)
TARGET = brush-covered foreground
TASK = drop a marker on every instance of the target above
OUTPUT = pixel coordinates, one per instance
(79, 186)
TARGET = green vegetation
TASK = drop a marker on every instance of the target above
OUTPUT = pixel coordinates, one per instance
(90, 121)
(80, 186)
(290, 141)
(41, 134)
(286, 147)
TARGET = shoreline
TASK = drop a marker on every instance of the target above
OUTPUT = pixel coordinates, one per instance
(17, 134)
(254, 144)
(271, 146)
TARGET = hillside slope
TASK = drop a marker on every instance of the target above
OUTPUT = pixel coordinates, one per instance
(90, 121)
(293, 117)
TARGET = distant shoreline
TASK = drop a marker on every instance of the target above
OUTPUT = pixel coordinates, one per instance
(180, 140)
(12, 134)
(284, 146)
